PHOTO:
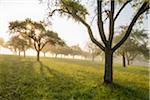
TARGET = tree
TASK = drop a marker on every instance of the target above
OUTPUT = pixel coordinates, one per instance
(135, 45)
(76, 50)
(12, 44)
(93, 50)
(23, 45)
(37, 32)
(58, 49)
(55, 50)
(75, 10)
(46, 49)
(65, 50)
(86, 55)
(17, 44)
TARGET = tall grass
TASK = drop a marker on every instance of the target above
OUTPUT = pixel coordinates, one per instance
(63, 79)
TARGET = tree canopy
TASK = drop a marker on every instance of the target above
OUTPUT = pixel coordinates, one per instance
(135, 45)
(36, 32)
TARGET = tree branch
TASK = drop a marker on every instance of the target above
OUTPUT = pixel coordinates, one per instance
(111, 24)
(144, 7)
(90, 33)
(100, 22)
(55, 10)
(87, 26)
(35, 46)
(121, 9)
(42, 46)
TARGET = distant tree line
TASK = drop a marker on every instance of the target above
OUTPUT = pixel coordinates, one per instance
(136, 45)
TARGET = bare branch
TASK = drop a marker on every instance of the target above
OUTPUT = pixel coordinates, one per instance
(93, 18)
(55, 10)
(111, 24)
(100, 22)
(105, 19)
(128, 1)
(67, 11)
(91, 33)
(144, 7)
(35, 46)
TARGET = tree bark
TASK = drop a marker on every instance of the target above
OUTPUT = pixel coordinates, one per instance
(108, 74)
(128, 61)
(38, 55)
(124, 60)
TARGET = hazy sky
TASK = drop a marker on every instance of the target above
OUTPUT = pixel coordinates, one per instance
(72, 32)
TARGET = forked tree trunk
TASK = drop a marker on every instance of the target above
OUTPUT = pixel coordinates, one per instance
(124, 60)
(38, 55)
(108, 75)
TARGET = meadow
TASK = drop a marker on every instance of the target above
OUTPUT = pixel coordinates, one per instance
(66, 79)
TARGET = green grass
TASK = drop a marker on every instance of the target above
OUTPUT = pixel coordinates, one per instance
(64, 79)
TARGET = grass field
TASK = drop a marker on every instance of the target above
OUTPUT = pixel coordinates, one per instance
(62, 79)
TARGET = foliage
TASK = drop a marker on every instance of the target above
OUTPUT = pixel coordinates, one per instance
(76, 50)
(73, 7)
(66, 50)
(16, 43)
(135, 45)
(93, 49)
(46, 49)
(37, 32)
(63, 79)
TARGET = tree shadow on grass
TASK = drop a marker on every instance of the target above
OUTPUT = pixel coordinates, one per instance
(15, 79)
(124, 92)
(64, 87)
(50, 70)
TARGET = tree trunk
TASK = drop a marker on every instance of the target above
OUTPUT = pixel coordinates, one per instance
(24, 53)
(73, 56)
(44, 54)
(93, 58)
(124, 60)
(108, 75)
(38, 55)
(56, 55)
(19, 52)
(128, 61)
